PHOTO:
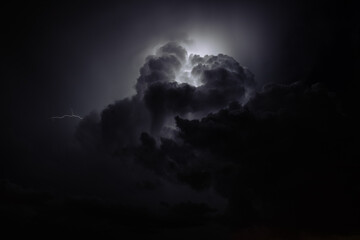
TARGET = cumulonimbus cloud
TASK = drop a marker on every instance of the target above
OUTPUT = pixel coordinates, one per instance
(197, 120)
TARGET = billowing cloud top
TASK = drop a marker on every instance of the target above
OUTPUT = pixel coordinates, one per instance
(166, 88)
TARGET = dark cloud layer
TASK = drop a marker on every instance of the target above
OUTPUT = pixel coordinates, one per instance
(284, 156)
(160, 97)
(291, 154)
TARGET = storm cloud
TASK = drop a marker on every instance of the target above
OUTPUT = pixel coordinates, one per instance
(277, 155)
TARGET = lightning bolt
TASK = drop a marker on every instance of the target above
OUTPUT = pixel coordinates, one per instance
(67, 116)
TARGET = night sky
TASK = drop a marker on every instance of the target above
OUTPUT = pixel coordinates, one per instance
(180, 119)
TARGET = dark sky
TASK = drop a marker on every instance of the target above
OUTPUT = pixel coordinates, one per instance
(266, 146)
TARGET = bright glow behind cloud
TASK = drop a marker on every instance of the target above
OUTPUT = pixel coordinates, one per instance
(205, 44)
(200, 43)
